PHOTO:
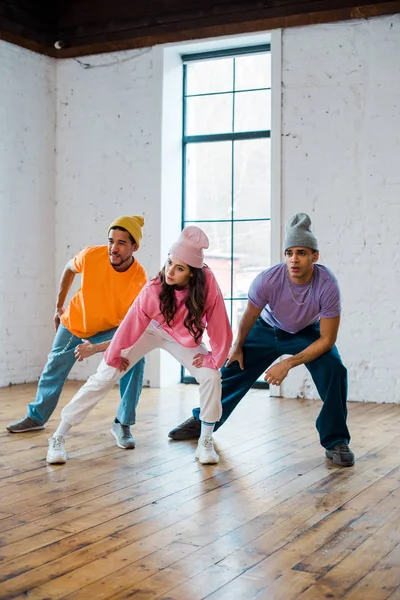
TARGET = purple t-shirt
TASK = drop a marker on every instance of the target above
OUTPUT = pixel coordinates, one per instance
(270, 290)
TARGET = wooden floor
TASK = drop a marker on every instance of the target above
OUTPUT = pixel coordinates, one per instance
(273, 520)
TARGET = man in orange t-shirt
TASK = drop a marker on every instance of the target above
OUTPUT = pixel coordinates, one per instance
(111, 278)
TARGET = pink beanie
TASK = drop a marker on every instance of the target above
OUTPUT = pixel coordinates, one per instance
(189, 246)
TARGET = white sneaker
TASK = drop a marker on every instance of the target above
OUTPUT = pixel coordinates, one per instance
(205, 452)
(56, 454)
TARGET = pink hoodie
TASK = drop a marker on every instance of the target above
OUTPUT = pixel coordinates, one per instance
(146, 308)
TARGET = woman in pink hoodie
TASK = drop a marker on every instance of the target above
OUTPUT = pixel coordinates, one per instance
(172, 312)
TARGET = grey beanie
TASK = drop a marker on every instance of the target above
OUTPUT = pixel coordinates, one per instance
(299, 234)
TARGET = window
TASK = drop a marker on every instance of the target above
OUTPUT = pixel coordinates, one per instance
(227, 165)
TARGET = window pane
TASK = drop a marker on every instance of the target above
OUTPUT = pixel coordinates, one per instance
(252, 254)
(238, 308)
(253, 110)
(208, 181)
(209, 114)
(205, 77)
(252, 179)
(228, 306)
(253, 71)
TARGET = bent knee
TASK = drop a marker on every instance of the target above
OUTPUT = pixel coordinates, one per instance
(205, 374)
(105, 375)
(333, 361)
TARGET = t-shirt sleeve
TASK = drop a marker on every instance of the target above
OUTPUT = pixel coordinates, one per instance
(79, 260)
(330, 301)
(257, 293)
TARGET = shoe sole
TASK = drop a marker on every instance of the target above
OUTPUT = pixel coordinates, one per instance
(209, 462)
(60, 461)
(118, 444)
(178, 438)
(37, 428)
(339, 464)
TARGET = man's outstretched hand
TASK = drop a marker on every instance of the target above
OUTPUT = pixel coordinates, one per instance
(277, 373)
(84, 350)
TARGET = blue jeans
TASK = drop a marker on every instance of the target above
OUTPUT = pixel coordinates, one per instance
(60, 362)
(263, 346)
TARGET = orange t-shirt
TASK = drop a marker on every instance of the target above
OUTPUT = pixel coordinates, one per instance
(105, 294)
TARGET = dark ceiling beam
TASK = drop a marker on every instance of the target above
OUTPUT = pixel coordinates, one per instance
(91, 27)
(26, 42)
(41, 15)
(29, 23)
(200, 28)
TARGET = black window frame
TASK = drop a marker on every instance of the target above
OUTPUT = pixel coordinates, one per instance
(232, 137)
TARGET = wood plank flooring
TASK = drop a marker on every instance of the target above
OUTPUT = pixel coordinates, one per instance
(273, 520)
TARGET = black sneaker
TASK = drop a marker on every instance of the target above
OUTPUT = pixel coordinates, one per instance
(341, 455)
(188, 430)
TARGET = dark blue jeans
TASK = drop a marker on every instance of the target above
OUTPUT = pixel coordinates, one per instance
(263, 346)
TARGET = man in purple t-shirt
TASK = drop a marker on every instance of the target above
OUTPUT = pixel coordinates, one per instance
(293, 309)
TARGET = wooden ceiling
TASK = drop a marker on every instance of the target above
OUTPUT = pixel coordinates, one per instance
(93, 26)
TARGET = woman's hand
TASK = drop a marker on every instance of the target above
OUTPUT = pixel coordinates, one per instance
(198, 360)
(124, 364)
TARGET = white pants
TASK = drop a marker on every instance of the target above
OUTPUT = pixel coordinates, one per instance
(106, 377)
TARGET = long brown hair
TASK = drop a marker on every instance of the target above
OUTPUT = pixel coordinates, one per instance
(194, 303)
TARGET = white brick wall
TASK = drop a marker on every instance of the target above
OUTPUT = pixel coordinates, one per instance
(108, 154)
(340, 162)
(27, 287)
